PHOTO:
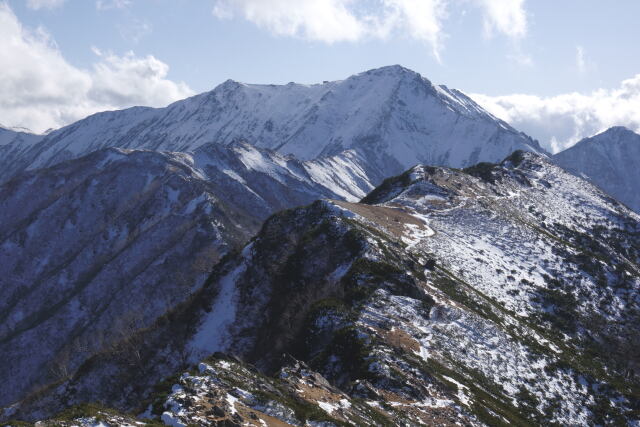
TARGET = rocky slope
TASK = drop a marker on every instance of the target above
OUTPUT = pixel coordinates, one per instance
(498, 294)
(611, 160)
(93, 250)
(392, 116)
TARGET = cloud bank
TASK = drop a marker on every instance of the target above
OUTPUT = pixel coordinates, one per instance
(560, 121)
(41, 90)
(333, 21)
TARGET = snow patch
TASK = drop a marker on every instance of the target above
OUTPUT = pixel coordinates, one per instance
(212, 333)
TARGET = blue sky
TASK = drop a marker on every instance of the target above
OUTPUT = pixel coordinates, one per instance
(563, 55)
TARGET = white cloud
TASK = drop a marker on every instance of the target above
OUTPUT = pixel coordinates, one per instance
(581, 63)
(521, 58)
(560, 121)
(328, 20)
(507, 17)
(130, 80)
(40, 89)
(111, 4)
(422, 19)
(333, 21)
(135, 30)
(44, 4)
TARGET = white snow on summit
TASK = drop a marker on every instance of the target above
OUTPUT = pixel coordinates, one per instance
(392, 116)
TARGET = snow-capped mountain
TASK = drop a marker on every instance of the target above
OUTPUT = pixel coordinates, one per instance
(611, 160)
(503, 293)
(162, 262)
(392, 116)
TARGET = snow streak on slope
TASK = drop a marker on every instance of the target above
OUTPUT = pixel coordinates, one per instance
(279, 182)
(213, 331)
(392, 116)
(610, 160)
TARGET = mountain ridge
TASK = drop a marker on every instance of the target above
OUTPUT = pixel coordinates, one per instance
(392, 116)
(451, 293)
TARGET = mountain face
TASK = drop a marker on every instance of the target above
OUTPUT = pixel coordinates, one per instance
(95, 249)
(279, 182)
(392, 116)
(498, 294)
(611, 160)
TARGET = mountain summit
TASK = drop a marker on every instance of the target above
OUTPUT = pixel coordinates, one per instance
(611, 160)
(392, 116)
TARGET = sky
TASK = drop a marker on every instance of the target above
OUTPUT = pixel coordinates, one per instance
(557, 70)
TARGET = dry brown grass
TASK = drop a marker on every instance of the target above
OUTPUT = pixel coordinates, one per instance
(392, 219)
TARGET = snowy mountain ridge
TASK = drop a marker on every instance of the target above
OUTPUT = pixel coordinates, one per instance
(392, 116)
(611, 160)
(501, 293)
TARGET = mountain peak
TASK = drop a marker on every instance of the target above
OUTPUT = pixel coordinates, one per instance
(616, 133)
(618, 129)
(391, 115)
(614, 136)
(229, 84)
(610, 160)
(393, 72)
(391, 69)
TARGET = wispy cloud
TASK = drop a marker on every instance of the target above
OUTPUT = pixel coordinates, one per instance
(40, 89)
(581, 62)
(135, 30)
(112, 4)
(506, 17)
(333, 21)
(44, 4)
(560, 121)
(521, 58)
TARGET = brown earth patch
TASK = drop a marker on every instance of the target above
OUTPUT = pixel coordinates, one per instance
(393, 219)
